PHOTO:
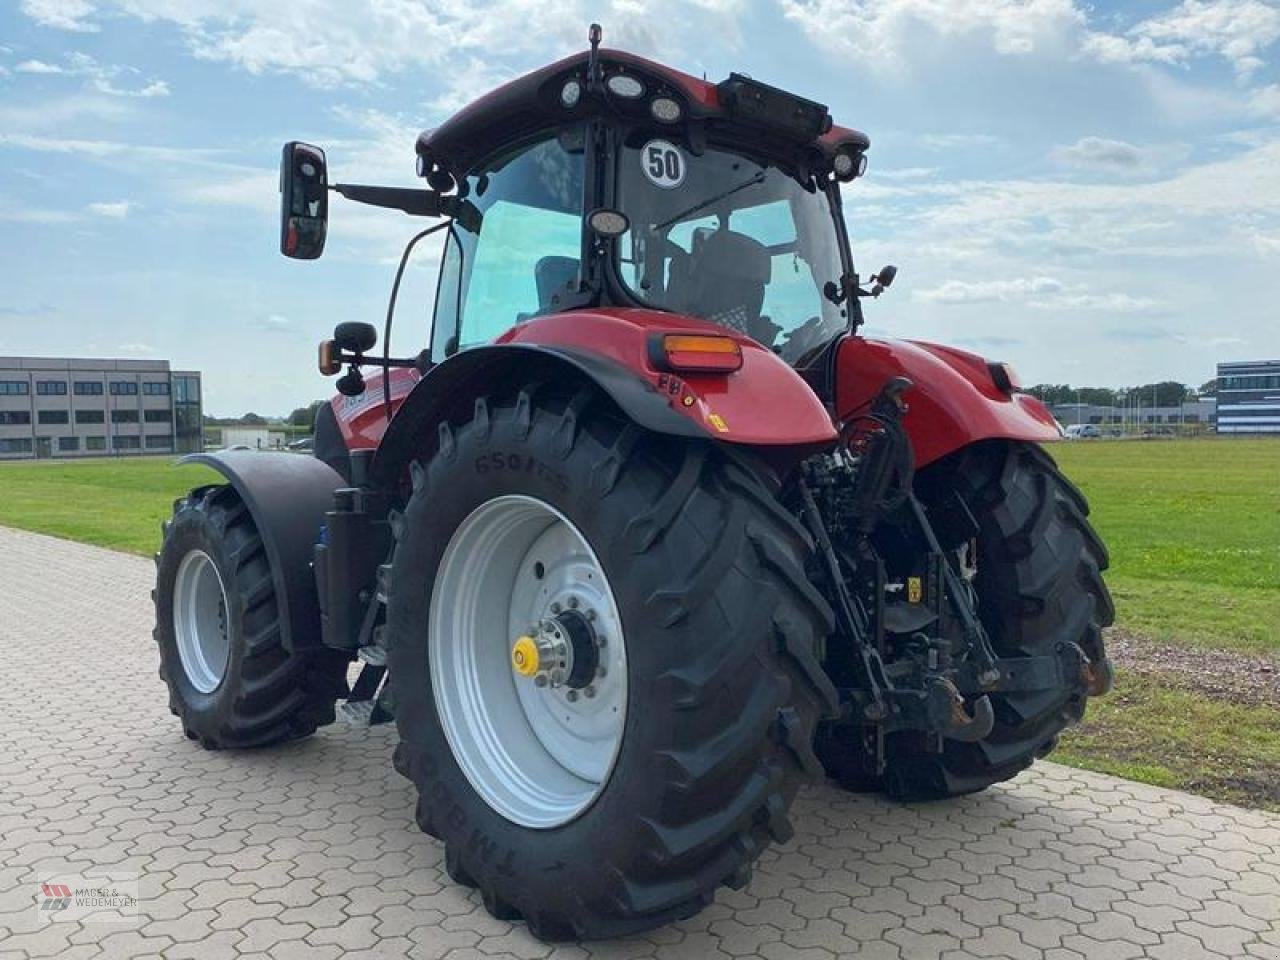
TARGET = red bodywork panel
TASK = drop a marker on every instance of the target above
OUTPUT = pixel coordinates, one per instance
(363, 419)
(954, 401)
(764, 403)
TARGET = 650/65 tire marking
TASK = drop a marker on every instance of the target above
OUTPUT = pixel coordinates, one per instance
(521, 462)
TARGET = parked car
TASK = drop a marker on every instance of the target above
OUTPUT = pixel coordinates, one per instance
(1083, 431)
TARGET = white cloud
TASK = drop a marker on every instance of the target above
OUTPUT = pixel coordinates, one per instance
(985, 291)
(1101, 152)
(61, 14)
(113, 210)
(1238, 31)
(38, 67)
(331, 43)
(101, 77)
(137, 350)
(884, 31)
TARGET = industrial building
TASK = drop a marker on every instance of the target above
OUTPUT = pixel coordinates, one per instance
(1249, 397)
(1190, 415)
(65, 407)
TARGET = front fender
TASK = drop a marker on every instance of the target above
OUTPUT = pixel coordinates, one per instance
(954, 402)
(287, 495)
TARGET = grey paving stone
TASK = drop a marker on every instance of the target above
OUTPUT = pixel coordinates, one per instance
(309, 850)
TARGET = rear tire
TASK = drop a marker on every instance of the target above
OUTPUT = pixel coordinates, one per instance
(231, 681)
(719, 626)
(1039, 586)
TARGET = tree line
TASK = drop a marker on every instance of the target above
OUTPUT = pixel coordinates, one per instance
(1165, 393)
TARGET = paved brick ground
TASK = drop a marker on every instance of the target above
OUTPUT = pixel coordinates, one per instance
(310, 851)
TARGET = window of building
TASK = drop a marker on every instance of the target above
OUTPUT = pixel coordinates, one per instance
(127, 443)
(14, 388)
(51, 388)
(14, 417)
(88, 388)
(18, 445)
(124, 388)
(95, 443)
(155, 388)
(124, 416)
(159, 443)
(186, 389)
(188, 429)
(158, 416)
(68, 443)
(90, 416)
(52, 416)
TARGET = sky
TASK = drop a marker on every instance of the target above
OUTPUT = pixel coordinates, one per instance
(1089, 191)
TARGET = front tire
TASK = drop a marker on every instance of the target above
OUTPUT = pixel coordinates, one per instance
(231, 682)
(722, 687)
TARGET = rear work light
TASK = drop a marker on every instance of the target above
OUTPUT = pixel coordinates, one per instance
(695, 353)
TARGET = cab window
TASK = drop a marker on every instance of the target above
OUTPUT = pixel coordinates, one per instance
(525, 253)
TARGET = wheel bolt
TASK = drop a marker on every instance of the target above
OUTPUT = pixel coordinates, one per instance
(540, 680)
(555, 608)
(573, 603)
(572, 696)
(600, 640)
(601, 671)
(589, 692)
(591, 614)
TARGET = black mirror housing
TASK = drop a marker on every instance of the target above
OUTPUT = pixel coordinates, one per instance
(355, 337)
(886, 275)
(304, 200)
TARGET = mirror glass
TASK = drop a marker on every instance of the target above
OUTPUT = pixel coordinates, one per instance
(304, 201)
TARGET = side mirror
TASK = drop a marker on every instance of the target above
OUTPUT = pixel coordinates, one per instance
(885, 276)
(304, 201)
(355, 337)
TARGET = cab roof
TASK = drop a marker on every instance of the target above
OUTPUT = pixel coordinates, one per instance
(531, 104)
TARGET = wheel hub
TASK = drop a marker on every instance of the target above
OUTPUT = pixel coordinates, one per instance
(561, 651)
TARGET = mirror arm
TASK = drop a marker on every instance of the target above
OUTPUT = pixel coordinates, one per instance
(417, 203)
(421, 362)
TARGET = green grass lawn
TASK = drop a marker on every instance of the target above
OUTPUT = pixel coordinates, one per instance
(114, 503)
(1193, 527)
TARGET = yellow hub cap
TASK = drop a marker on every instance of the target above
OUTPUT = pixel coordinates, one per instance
(524, 657)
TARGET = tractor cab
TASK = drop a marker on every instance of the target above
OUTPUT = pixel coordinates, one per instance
(645, 187)
(607, 180)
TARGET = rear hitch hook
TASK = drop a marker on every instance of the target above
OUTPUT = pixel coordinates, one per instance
(955, 721)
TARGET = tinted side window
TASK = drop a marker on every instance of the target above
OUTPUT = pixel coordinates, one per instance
(525, 252)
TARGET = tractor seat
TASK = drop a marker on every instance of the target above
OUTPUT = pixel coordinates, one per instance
(724, 280)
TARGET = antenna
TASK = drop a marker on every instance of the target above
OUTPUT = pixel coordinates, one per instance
(593, 66)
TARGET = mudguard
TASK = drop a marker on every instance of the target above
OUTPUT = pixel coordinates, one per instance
(954, 402)
(287, 495)
(764, 404)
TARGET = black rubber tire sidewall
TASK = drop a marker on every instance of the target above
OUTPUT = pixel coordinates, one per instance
(571, 880)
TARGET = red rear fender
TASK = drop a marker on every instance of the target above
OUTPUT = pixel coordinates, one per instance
(954, 402)
(765, 403)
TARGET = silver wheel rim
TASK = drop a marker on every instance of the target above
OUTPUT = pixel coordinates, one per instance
(200, 621)
(538, 755)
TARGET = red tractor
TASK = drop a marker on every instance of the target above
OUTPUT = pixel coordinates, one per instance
(648, 533)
